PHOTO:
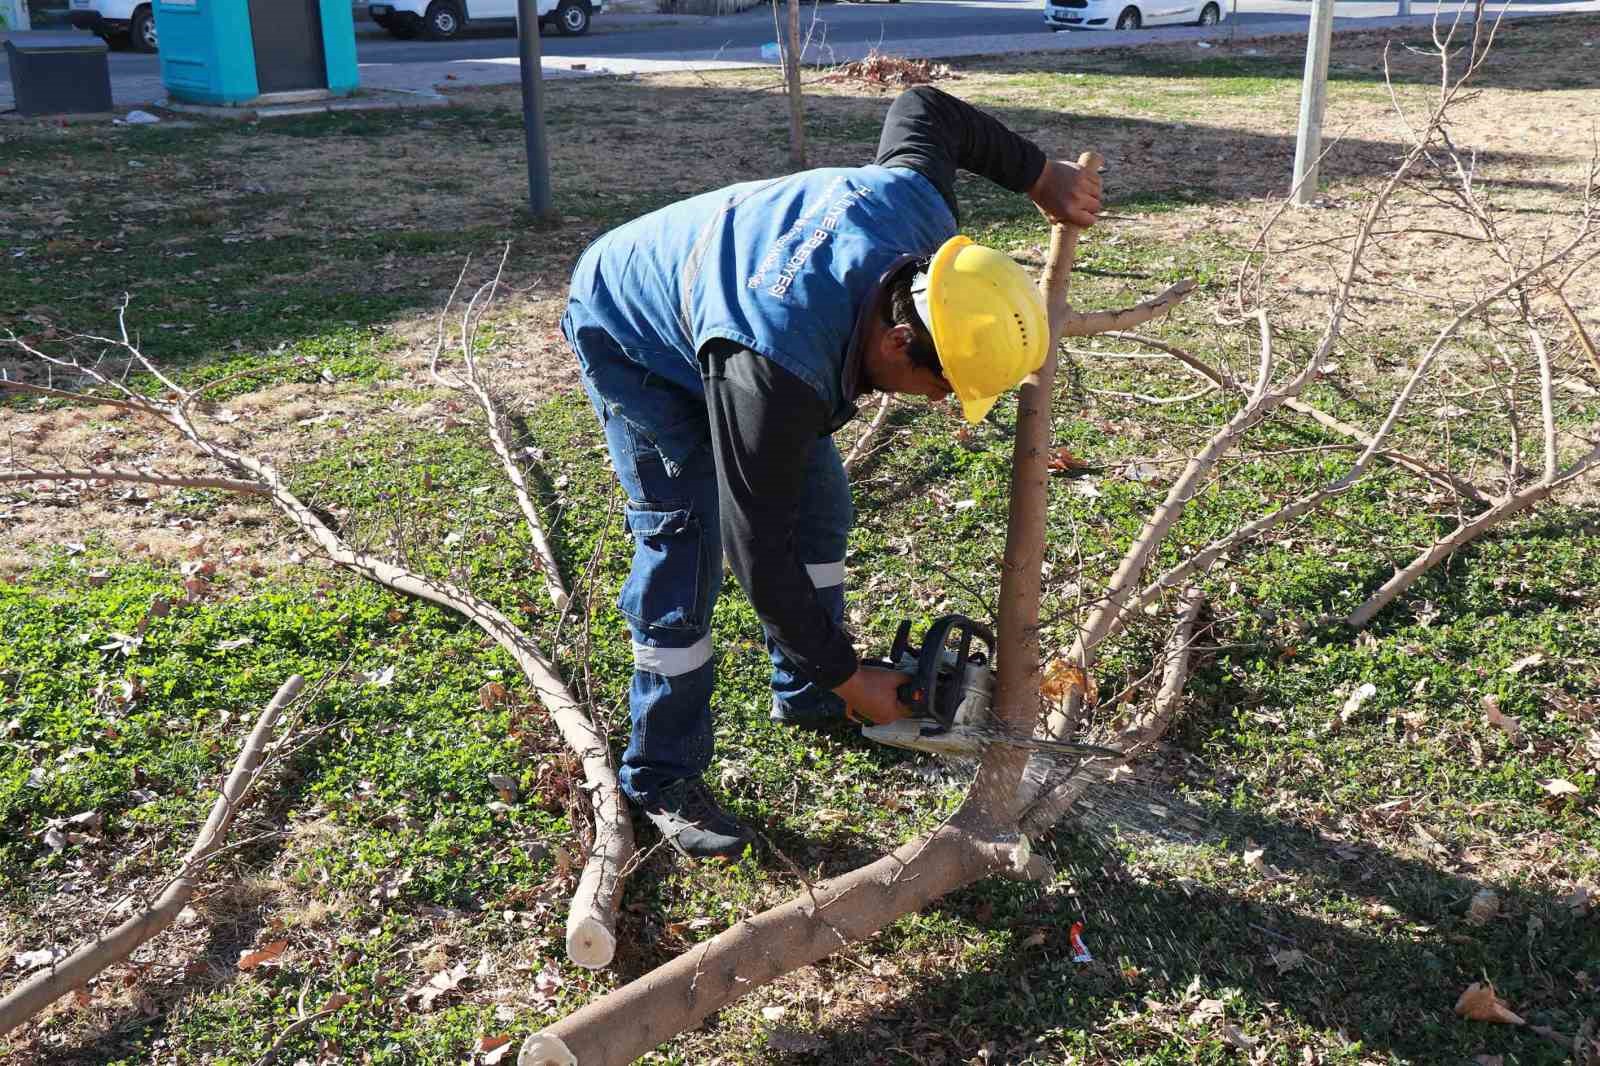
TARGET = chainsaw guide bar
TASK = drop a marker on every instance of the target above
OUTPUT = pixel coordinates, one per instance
(967, 741)
(949, 694)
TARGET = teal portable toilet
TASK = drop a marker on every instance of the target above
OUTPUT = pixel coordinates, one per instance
(233, 53)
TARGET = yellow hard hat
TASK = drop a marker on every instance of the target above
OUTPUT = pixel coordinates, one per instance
(987, 318)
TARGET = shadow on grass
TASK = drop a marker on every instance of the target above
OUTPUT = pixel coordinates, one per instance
(1387, 978)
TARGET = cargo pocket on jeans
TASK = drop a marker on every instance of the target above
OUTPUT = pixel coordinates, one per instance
(665, 588)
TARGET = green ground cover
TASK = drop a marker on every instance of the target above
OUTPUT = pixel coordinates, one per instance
(1300, 875)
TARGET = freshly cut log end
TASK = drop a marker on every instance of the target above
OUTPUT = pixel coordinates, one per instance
(589, 943)
(542, 1049)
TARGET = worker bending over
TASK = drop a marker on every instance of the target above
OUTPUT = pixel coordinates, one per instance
(722, 341)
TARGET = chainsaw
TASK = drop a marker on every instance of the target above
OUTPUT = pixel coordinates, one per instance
(950, 694)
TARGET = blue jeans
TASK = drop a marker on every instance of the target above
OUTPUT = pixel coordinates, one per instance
(659, 438)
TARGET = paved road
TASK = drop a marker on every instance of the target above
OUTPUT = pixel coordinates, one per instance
(840, 31)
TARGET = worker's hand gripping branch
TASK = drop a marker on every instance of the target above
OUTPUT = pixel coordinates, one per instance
(1067, 193)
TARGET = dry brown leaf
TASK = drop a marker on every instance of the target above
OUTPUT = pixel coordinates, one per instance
(1484, 906)
(1577, 901)
(32, 960)
(1479, 1003)
(249, 960)
(441, 983)
(547, 982)
(1234, 1036)
(1063, 460)
(493, 1048)
(1536, 659)
(1062, 681)
(491, 694)
(1508, 725)
(1560, 786)
(1205, 1010)
(335, 1001)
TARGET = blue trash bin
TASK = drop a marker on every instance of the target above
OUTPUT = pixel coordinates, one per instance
(233, 53)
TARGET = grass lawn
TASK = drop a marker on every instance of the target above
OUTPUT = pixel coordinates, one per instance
(1285, 882)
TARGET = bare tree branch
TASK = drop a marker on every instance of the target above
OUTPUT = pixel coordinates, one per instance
(868, 435)
(1464, 534)
(591, 917)
(147, 477)
(48, 985)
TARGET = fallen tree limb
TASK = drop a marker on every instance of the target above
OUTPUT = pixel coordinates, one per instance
(1578, 332)
(868, 435)
(48, 985)
(1121, 599)
(500, 441)
(1439, 476)
(1464, 534)
(1102, 625)
(591, 918)
(144, 477)
(624, 1024)
(1139, 736)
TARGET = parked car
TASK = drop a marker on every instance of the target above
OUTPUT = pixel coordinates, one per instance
(122, 23)
(443, 19)
(1130, 14)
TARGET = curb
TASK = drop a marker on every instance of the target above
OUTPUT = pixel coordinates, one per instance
(379, 100)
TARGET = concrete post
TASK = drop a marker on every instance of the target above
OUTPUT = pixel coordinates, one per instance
(1313, 101)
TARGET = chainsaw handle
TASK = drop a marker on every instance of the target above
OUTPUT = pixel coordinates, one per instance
(932, 698)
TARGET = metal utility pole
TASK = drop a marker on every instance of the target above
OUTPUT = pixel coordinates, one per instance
(791, 77)
(528, 58)
(1313, 101)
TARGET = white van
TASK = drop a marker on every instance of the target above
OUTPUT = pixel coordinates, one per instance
(442, 19)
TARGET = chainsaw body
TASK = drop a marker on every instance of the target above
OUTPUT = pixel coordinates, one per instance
(950, 691)
(951, 694)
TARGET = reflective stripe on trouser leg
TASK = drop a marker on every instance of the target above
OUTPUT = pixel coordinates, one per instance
(672, 662)
(826, 575)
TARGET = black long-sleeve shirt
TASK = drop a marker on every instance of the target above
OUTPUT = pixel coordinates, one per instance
(765, 420)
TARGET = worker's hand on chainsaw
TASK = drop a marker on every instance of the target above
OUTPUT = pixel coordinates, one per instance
(869, 694)
(1066, 193)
